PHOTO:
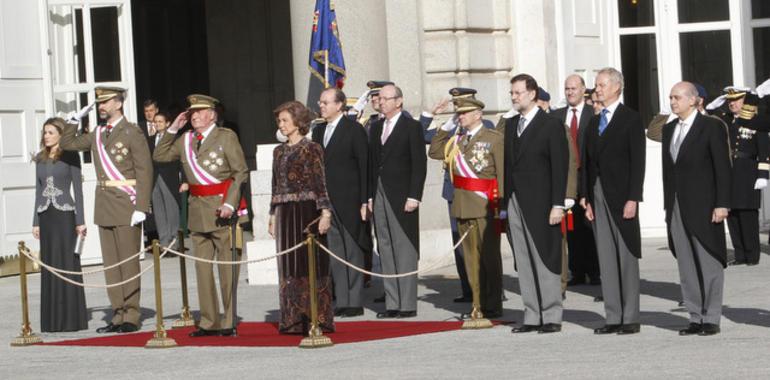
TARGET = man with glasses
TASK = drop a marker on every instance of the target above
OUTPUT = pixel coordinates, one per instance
(536, 168)
(397, 174)
(345, 161)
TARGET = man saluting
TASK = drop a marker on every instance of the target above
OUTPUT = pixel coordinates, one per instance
(123, 191)
(215, 167)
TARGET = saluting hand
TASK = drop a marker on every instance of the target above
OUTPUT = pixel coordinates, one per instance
(719, 214)
(178, 123)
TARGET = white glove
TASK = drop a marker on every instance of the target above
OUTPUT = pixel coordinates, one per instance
(716, 103)
(760, 184)
(449, 125)
(137, 217)
(568, 203)
(75, 117)
(280, 137)
(503, 214)
(763, 89)
(361, 102)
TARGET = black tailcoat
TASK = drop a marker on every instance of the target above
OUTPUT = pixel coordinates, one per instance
(346, 165)
(401, 165)
(536, 165)
(618, 158)
(700, 181)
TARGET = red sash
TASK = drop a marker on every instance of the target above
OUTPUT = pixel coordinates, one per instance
(486, 186)
(218, 189)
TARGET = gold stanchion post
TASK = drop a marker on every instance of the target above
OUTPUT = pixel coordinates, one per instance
(185, 317)
(477, 320)
(159, 339)
(315, 338)
(27, 337)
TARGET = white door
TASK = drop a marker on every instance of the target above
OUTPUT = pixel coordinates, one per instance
(89, 43)
(22, 111)
(583, 34)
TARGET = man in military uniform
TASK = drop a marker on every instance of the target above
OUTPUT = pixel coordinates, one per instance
(124, 187)
(474, 157)
(447, 190)
(374, 99)
(215, 167)
(750, 150)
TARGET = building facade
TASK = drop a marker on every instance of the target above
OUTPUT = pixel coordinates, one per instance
(254, 55)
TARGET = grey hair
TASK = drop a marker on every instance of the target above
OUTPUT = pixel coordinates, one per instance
(615, 75)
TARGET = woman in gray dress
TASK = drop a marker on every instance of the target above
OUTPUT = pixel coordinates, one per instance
(58, 222)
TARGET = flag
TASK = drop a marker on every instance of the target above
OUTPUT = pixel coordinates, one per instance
(326, 39)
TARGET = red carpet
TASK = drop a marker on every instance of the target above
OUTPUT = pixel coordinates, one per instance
(265, 334)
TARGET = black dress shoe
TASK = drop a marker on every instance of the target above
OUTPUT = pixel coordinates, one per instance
(463, 299)
(692, 329)
(607, 329)
(709, 329)
(549, 328)
(380, 299)
(680, 303)
(631, 328)
(351, 312)
(736, 262)
(407, 314)
(110, 328)
(203, 332)
(338, 311)
(752, 264)
(388, 314)
(128, 328)
(598, 299)
(228, 332)
(525, 329)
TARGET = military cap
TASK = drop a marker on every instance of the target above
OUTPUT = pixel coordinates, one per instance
(543, 94)
(735, 92)
(376, 85)
(463, 105)
(461, 92)
(198, 101)
(701, 90)
(105, 93)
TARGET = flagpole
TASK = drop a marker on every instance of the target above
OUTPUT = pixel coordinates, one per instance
(326, 68)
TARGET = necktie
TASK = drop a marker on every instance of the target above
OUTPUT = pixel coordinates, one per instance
(603, 121)
(386, 131)
(520, 126)
(573, 131)
(199, 137)
(677, 143)
(327, 135)
(466, 137)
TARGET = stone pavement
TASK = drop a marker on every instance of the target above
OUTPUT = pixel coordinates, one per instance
(741, 351)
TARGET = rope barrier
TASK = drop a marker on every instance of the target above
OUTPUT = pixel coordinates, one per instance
(103, 269)
(400, 275)
(219, 262)
(55, 272)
